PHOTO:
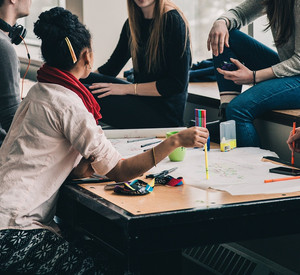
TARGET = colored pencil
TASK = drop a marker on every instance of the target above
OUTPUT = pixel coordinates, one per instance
(140, 139)
(148, 144)
(200, 120)
(292, 158)
(206, 161)
(282, 179)
(203, 119)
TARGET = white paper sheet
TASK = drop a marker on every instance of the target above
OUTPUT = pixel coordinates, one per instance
(129, 149)
(140, 133)
(239, 171)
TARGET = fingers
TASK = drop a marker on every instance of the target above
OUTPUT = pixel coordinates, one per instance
(230, 75)
(85, 163)
(215, 45)
(226, 40)
(99, 91)
(104, 95)
(217, 41)
(293, 137)
(193, 137)
(213, 42)
(100, 88)
(99, 85)
(290, 146)
(293, 141)
(91, 159)
(221, 71)
(237, 63)
(221, 43)
(289, 140)
(201, 142)
(208, 44)
(200, 136)
(84, 168)
(218, 37)
(106, 89)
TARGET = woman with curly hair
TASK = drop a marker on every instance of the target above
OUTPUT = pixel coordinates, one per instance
(54, 127)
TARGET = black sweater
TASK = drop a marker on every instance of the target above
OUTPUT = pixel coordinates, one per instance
(172, 78)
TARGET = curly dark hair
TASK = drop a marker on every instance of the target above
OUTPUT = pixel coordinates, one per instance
(1, 2)
(52, 27)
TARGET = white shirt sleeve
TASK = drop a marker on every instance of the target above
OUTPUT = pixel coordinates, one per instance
(88, 138)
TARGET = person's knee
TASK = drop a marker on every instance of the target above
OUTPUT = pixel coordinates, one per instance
(227, 52)
(234, 35)
(231, 110)
(237, 111)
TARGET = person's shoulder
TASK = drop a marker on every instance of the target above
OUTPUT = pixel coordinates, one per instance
(53, 95)
(58, 102)
(126, 24)
(174, 22)
(172, 16)
(8, 55)
(172, 13)
(125, 27)
(5, 44)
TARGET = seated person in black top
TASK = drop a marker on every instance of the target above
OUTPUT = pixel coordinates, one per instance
(156, 37)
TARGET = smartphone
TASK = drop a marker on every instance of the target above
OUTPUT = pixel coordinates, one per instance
(285, 171)
(228, 66)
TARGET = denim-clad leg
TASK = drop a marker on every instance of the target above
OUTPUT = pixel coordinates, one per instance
(253, 54)
(274, 94)
(265, 96)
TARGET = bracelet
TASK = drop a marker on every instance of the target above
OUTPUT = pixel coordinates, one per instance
(226, 22)
(135, 86)
(254, 77)
(153, 154)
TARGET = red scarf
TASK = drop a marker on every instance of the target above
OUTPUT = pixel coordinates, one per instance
(48, 74)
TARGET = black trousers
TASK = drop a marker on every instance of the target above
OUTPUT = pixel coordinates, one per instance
(129, 111)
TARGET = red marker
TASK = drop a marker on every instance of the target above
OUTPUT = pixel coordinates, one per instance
(294, 129)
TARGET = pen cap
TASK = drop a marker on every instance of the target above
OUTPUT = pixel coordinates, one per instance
(227, 135)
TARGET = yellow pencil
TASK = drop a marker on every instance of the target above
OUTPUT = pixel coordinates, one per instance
(206, 161)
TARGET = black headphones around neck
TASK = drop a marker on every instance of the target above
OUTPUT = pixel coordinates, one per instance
(16, 32)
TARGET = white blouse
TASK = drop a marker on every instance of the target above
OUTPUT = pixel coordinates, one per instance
(50, 132)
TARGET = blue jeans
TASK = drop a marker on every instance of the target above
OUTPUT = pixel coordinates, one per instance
(273, 94)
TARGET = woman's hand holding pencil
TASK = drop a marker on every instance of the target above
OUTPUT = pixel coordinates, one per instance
(294, 138)
(293, 142)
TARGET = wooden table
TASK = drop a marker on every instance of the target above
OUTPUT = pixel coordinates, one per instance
(148, 232)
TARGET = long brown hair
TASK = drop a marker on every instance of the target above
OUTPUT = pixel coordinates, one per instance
(281, 18)
(155, 47)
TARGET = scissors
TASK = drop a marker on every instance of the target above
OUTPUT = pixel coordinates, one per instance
(161, 174)
(111, 186)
